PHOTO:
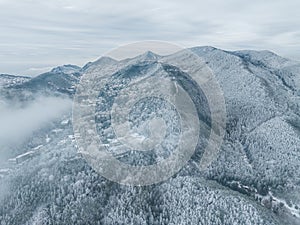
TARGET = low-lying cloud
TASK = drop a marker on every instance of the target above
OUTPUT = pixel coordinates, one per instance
(18, 123)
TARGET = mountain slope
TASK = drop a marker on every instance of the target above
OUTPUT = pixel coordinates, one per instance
(256, 173)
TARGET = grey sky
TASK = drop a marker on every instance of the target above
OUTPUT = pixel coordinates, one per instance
(37, 35)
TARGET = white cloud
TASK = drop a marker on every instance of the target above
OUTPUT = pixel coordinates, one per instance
(35, 33)
(18, 123)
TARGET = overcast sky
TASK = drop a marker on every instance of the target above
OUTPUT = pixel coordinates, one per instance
(36, 35)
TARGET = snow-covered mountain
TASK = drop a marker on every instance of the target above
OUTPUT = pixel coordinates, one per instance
(10, 80)
(255, 179)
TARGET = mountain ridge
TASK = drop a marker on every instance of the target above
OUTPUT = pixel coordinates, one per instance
(204, 48)
(258, 164)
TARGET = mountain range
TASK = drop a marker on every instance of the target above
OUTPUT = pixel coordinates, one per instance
(254, 180)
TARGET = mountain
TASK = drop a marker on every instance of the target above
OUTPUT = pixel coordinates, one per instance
(7, 80)
(67, 69)
(59, 81)
(254, 180)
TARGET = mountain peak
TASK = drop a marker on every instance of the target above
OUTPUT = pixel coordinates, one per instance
(148, 55)
(203, 48)
(101, 61)
(105, 59)
(67, 69)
